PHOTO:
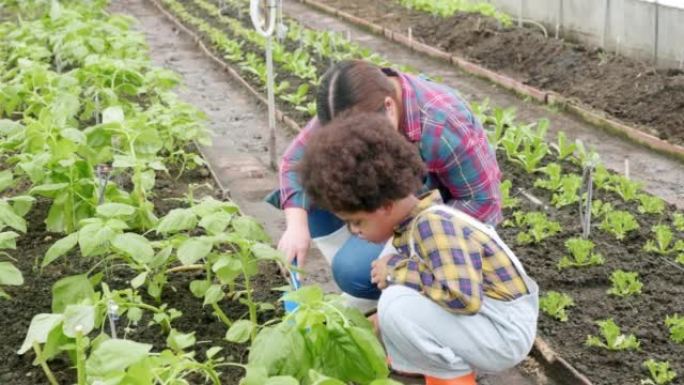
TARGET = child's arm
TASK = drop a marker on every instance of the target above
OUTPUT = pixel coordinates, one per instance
(449, 267)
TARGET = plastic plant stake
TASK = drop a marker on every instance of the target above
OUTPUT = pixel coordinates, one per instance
(291, 306)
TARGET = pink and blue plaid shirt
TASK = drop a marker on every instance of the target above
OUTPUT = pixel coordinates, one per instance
(460, 162)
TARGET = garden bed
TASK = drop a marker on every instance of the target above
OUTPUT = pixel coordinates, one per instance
(630, 90)
(35, 295)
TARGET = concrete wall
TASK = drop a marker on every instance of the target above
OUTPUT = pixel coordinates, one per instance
(644, 29)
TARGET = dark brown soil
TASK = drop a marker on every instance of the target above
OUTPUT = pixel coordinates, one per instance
(643, 315)
(627, 89)
(34, 296)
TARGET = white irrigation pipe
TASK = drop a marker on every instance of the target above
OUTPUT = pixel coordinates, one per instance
(267, 30)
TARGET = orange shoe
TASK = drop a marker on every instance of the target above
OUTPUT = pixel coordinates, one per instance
(468, 379)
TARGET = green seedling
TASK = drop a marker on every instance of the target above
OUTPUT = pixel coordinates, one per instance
(676, 325)
(506, 199)
(534, 225)
(581, 254)
(564, 147)
(626, 188)
(619, 223)
(600, 208)
(612, 338)
(663, 241)
(625, 283)
(660, 372)
(555, 305)
(553, 182)
(649, 204)
(678, 221)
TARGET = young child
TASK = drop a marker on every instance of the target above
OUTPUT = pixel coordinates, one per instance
(455, 299)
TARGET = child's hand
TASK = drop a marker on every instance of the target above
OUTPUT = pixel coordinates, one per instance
(379, 271)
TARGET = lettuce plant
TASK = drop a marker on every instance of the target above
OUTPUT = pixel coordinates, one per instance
(676, 325)
(555, 304)
(625, 283)
(619, 223)
(663, 241)
(535, 226)
(626, 188)
(612, 337)
(564, 147)
(678, 221)
(506, 199)
(553, 181)
(660, 373)
(600, 208)
(581, 254)
(649, 204)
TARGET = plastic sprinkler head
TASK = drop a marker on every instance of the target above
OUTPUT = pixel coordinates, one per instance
(113, 310)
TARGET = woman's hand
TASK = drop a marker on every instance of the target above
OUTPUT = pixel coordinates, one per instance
(296, 240)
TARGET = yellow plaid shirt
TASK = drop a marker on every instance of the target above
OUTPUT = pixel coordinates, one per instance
(457, 265)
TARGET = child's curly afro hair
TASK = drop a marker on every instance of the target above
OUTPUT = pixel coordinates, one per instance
(359, 162)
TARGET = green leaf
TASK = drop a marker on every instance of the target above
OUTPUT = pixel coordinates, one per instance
(22, 204)
(213, 295)
(282, 349)
(134, 245)
(60, 248)
(240, 331)
(10, 275)
(199, 288)
(71, 290)
(139, 280)
(48, 190)
(227, 267)
(111, 210)
(10, 218)
(74, 135)
(114, 356)
(177, 220)
(134, 314)
(216, 223)
(112, 114)
(8, 240)
(320, 379)
(40, 328)
(6, 179)
(180, 341)
(266, 252)
(194, 249)
(78, 316)
(305, 295)
(250, 229)
(93, 236)
(255, 376)
(211, 352)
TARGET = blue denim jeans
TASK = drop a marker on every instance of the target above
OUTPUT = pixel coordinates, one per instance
(351, 265)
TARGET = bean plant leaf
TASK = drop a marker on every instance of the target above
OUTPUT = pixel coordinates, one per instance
(6, 179)
(177, 220)
(10, 275)
(112, 209)
(78, 317)
(115, 355)
(134, 245)
(194, 249)
(8, 240)
(71, 290)
(9, 218)
(60, 248)
(240, 331)
(41, 326)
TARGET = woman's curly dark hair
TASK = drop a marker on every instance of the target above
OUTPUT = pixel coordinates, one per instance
(358, 163)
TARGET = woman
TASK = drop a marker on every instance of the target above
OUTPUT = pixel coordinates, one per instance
(450, 140)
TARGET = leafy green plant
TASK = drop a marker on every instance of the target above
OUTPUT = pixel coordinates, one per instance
(619, 223)
(322, 335)
(612, 339)
(663, 241)
(564, 147)
(501, 119)
(600, 208)
(534, 147)
(506, 199)
(626, 188)
(649, 204)
(534, 225)
(298, 97)
(554, 178)
(581, 254)
(625, 283)
(678, 221)
(568, 192)
(446, 8)
(555, 305)
(659, 371)
(676, 325)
